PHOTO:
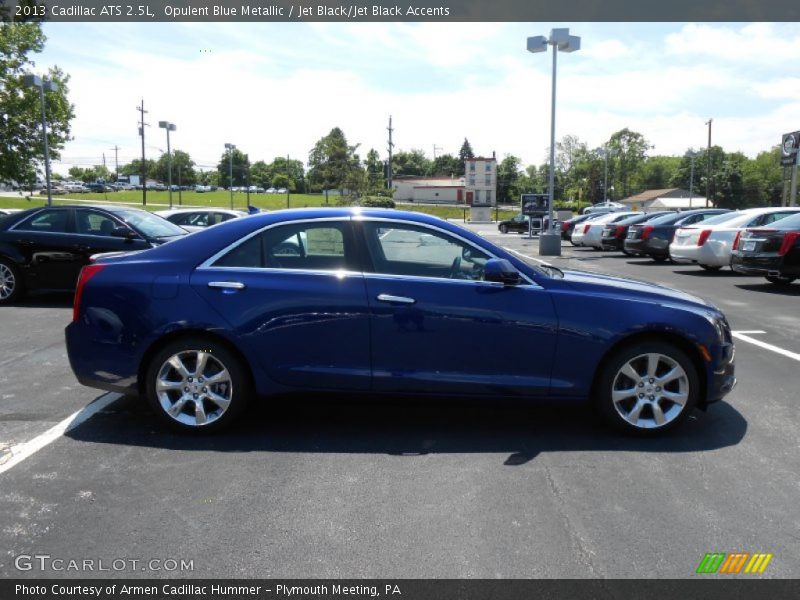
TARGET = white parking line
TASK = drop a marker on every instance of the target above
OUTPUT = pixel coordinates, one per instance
(743, 335)
(26, 449)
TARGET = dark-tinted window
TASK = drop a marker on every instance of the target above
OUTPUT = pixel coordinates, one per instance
(53, 221)
(91, 222)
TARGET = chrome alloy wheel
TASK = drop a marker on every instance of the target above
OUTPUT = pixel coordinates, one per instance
(194, 388)
(650, 390)
(8, 282)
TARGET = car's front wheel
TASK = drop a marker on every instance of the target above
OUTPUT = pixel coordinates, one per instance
(711, 267)
(503, 228)
(11, 285)
(195, 384)
(647, 388)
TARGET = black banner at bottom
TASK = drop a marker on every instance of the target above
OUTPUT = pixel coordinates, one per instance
(400, 589)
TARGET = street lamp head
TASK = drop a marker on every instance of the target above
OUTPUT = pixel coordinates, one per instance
(537, 43)
(32, 81)
(572, 44)
(50, 86)
(230, 146)
(166, 125)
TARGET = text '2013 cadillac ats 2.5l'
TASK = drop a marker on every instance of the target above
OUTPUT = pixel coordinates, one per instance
(379, 302)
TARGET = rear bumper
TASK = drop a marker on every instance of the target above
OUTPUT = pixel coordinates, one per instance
(753, 265)
(611, 243)
(99, 365)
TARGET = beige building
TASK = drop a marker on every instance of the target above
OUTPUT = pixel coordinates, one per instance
(480, 182)
(669, 198)
(478, 187)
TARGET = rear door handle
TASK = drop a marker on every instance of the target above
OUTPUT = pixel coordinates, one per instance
(226, 285)
(395, 299)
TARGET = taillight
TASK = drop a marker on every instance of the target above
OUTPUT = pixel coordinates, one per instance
(646, 231)
(564, 226)
(789, 239)
(736, 239)
(619, 231)
(703, 237)
(87, 273)
(586, 229)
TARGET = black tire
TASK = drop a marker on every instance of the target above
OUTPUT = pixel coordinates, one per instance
(711, 267)
(659, 258)
(573, 243)
(503, 228)
(12, 287)
(780, 279)
(628, 252)
(611, 377)
(237, 390)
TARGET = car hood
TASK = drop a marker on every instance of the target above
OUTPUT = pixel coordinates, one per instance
(631, 287)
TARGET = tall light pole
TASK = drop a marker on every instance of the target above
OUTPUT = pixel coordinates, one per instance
(560, 40)
(708, 164)
(169, 127)
(50, 86)
(605, 177)
(691, 154)
(230, 148)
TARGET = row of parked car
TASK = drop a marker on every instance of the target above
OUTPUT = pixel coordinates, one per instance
(760, 241)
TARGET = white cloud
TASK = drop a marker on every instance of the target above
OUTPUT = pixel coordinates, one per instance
(756, 43)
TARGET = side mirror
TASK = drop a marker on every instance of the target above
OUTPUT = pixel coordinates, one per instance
(124, 232)
(500, 270)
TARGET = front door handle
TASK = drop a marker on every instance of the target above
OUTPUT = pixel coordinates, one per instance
(226, 285)
(395, 299)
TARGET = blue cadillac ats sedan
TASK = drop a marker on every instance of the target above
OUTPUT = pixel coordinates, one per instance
(372, 301)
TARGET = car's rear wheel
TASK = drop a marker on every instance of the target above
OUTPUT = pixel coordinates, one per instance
(711, 267)
(659, 257)
(195, 384)
(780, 279)
(503, 228)
(647, 388)
(12, 287)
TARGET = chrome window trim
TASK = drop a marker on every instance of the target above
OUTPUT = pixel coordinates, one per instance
(208, 264)
(31, 216)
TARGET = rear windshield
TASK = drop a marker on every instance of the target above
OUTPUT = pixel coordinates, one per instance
(150, 225)
(721, 218)
(792, 222)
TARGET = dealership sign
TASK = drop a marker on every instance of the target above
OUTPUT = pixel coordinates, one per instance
(789, 146)
(534, 204)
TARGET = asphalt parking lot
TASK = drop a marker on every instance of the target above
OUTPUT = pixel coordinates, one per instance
(405, 489)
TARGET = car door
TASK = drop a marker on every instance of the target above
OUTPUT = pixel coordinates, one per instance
(295, 298)
(438, 328)
(94, 234)
(46, 243)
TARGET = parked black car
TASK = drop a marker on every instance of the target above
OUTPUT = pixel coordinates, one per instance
(519, 224)
(614, 234)
(654, 237)
(45, 248)
(773, 252)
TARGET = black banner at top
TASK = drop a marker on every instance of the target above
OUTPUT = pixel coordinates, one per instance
(402, 10)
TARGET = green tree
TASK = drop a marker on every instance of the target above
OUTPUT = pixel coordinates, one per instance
(181, 161)
(331, 161)
(629, 150)
(659, 172)
(135, 168)
(241, 164)
(21, 144)
(375, 172)
(464, 154)
(410, 163)
(260, 174)
(508, 175)
(446, 165)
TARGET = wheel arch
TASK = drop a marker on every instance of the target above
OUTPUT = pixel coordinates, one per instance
(176, 335)
(687, 346)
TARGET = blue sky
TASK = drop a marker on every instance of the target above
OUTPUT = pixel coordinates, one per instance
(274, 89)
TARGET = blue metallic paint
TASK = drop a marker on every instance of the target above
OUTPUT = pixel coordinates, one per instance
(544, 339)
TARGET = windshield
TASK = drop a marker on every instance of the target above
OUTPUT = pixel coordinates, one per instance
(537, 265)
(149, 225)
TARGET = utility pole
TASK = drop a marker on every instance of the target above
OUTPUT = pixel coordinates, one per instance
(691, 178)
(104, 160)
(180, 198)
(142, 125)
(708, 164)
(116, 161)
(391, 145)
